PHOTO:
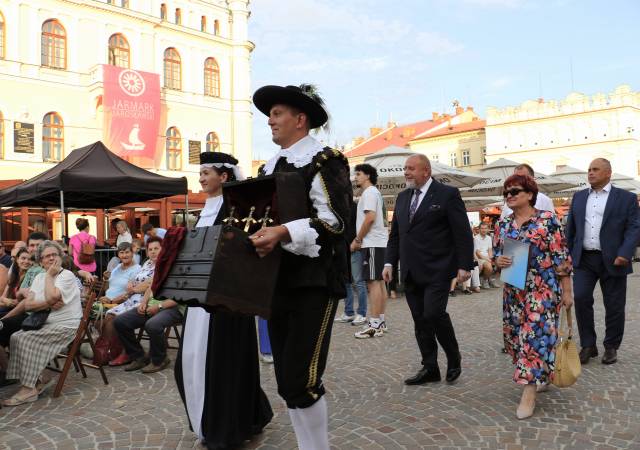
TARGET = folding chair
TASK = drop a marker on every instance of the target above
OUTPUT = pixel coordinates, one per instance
(167, 335)
(82, 336)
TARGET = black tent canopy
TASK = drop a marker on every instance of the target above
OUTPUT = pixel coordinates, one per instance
(92, 177)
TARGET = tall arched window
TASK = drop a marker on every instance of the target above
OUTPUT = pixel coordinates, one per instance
(172, 69)
(52, 137)
(2, 36)
(53, 45)
(211, 77)
(178, 16)
(203, 24)
(216, 27)
(213, 143)
(163, 11)
(119, 51)
(1, 136)
(174, 149)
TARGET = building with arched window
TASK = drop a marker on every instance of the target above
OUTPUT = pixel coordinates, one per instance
(172, 69)
(119, 52)
(53, 79)
(53, 45)
(211, 78)
(56, 57)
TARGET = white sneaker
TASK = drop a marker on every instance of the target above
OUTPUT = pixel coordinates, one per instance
(358, 320)
(266, 358)
(344, 318)
(369, 332)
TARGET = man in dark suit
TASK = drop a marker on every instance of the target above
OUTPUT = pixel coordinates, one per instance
(603, 229)
(431, 237)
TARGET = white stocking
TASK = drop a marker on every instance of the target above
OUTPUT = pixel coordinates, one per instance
(315, 424)
(304, 441)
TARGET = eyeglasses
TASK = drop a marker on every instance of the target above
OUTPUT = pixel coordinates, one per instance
(512, 192)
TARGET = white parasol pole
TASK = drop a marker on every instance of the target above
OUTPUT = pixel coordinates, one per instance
(62, 213)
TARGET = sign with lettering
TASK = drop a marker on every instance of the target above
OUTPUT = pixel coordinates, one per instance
(23, 137)
(131, 113)
(195, 148)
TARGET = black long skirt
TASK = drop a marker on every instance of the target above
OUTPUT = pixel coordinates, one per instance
(235, 406)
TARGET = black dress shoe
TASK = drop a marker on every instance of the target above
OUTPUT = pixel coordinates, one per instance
(588, 352)
(425, 375)
(454, 369)
(610, 356)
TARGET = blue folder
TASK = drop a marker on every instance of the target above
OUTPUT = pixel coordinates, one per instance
(516, 274)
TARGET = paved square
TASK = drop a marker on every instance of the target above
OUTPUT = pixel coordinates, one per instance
(370, 407)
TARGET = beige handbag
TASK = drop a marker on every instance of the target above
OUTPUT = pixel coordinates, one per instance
(568, 366)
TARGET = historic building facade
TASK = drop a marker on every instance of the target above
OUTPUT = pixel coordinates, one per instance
(571, 132)
(460, 142)
(52, 78)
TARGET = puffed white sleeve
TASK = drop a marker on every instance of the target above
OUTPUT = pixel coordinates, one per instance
(303, 236)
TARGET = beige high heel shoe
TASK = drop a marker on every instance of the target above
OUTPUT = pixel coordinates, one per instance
(527, 403)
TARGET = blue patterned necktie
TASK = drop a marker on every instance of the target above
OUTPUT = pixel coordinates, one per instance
(414, 204)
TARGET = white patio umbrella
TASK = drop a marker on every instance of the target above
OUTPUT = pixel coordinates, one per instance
(579, 177)
(390, 166)
(500, 170)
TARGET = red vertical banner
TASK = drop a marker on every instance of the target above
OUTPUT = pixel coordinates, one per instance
(131, 103)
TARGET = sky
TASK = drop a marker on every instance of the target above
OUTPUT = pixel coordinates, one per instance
(376, 61)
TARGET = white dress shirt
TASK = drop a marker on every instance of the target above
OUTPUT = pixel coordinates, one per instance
(593, 214)
(423, 190)
(303, 237)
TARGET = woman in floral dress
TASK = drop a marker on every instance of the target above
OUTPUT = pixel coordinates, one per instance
(530, 316)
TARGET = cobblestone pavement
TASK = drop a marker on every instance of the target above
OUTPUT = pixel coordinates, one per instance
(369, 405)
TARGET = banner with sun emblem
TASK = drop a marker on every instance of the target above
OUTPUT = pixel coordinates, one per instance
(131, 104)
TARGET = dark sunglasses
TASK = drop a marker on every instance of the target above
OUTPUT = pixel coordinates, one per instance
(512, 192)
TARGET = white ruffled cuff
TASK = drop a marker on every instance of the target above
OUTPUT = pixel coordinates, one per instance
(303, 239)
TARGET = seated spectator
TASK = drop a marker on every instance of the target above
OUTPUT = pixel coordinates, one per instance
(9, 300)
(17, 246)
(135, 291)
(149, 230)
(118, 280)
(82, 261)
(136, 245)
(55, 289)
(124, 235)
(5, 258)
(155, 316)
(483, 253)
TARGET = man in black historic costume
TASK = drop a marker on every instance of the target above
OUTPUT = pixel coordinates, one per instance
(313, 271)
(217, 366)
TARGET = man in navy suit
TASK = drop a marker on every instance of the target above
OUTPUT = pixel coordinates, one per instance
(603, 229)
(431, 237)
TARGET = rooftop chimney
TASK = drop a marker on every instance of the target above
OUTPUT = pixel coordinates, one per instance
(374, 130)
(459, 110)
(435, 116)
(469, 108)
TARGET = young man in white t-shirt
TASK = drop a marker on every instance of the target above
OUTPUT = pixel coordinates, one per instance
(483, 253)
(371, 240)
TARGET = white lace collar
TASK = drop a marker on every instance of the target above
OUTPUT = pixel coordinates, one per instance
(210, 211)
(299, 154)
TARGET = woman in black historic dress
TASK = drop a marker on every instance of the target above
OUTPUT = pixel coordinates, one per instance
(217, 368)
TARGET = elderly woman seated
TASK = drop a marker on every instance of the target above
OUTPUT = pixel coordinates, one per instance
(135, 291)
(120, 287)
(56, 290)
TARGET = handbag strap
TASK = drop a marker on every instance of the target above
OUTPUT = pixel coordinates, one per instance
(566, 319)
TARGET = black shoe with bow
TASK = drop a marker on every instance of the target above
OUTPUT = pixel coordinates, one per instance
(424, 375)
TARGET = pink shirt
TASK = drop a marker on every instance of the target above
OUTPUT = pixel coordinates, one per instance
(75, 244)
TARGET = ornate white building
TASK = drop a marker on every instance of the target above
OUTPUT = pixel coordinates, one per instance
(551, 134)
(51, 77)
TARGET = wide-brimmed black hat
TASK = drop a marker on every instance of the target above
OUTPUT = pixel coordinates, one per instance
(217, 158)
(303, 97)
